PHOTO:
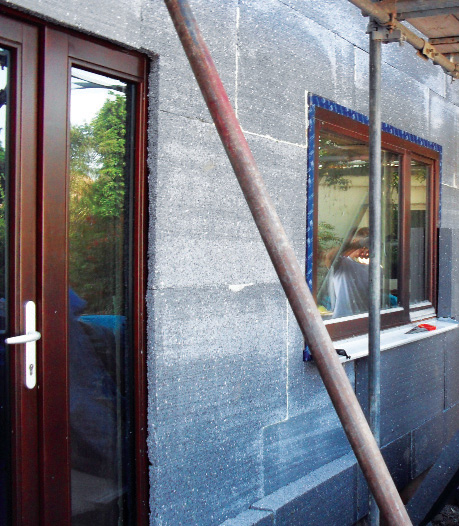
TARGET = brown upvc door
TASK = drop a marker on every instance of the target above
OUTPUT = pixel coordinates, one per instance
(76, 247)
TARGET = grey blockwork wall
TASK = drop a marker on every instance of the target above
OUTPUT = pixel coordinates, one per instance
(234, 413)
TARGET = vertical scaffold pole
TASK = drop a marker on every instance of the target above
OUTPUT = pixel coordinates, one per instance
(374, 307)
(287, 267)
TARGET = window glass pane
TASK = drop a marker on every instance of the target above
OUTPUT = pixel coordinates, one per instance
(420, 173)
(389, 229)
(5, 427)
(343, 226)
(99, 300)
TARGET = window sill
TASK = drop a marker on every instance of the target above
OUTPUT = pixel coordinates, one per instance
(357, 347)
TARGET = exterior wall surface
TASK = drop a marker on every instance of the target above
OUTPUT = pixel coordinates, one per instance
(236, 418)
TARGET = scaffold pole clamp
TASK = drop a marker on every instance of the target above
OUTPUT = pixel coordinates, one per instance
(385, 33)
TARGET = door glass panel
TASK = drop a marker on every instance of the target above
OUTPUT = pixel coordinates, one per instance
(419, 219)
(100, 354)
(343, 226)
(4, 375)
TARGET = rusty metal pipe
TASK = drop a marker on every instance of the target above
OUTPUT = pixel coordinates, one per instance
(287, 267)
(382, 17)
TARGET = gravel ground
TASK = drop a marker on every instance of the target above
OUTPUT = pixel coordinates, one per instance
(449, 516)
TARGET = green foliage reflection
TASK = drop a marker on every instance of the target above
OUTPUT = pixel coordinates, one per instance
(97, 194)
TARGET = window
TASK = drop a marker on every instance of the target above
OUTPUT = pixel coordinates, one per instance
(338, 219)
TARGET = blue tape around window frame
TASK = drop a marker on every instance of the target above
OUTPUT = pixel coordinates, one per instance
(315, 101)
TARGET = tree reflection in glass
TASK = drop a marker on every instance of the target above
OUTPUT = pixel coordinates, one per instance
(343, 226)
(99, 299)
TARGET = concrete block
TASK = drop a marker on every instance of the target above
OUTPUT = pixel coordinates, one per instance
(445, 276)
(428, 441)
(305, 386)
(442, 117)
(444, 471)
(345, 78)
(297, 55)
(456, 143)
(456, 146)
(340, 17)
(449, 209)
(218, 358)
(412, 386)
(362, 495)
(251, 518)
(204, 233)
(312, 434)
(452, 369)
(325, 496)
(451, 422)
(306, 392)
(397, 456)
(399, 90)
(449, 253)
(146, 25)
(220, 327)
(361, 384)
(301, 444)
(284, 168)
(361, 76)
(179, 92)
(118, 21)
(404, 59)
(455, 272)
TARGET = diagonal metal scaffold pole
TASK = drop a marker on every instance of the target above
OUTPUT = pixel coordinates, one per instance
(287, 267)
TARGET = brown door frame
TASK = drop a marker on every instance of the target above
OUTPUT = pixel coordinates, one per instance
(22, 42)
(38, 252)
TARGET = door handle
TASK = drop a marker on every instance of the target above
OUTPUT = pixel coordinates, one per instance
(24, 338)
(29, 338)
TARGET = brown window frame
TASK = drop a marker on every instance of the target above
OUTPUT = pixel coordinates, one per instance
(331, 121)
